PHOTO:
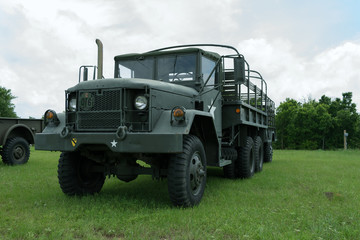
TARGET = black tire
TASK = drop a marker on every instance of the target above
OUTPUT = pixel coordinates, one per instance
(230, 170)
(246, 162)
(16, 151)
(259, 154)
(127, 178)
(76, 175)
(268, 152)
(187, 173)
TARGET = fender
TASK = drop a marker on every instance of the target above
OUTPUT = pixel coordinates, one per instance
(58, 128)
(20, 130)
(198, 123)
(164, 124)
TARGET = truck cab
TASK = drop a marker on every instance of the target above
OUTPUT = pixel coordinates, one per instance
(177, 109)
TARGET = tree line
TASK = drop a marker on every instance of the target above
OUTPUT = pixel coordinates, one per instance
(317, 124)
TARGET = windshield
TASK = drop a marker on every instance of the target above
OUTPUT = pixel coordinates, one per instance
(169, 68)
(176, 68)
(138, 68)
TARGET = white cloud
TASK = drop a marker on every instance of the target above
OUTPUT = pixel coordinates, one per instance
(331, 72)
(45, 42)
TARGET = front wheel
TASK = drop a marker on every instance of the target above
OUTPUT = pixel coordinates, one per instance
(16, 151)
(187, 173)
(77, 175)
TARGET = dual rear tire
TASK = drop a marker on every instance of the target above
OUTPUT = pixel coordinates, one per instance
(251, 157)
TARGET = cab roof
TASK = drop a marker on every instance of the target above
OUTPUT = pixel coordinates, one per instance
(160, 52)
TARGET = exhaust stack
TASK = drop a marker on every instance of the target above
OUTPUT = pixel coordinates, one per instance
(100, 59)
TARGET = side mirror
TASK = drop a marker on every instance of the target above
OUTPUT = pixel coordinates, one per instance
(239, 70)
(84, 72)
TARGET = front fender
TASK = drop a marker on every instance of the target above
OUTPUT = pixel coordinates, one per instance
(55, 129)
(167, 126)
(198, 123)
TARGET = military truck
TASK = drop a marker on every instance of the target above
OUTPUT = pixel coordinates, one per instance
(16, 135)
(168, 113)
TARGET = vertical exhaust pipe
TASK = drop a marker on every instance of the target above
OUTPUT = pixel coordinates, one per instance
(100, 59)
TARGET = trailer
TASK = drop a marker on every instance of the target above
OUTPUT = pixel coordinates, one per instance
(16, 135)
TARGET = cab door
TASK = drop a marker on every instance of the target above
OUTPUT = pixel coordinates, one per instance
(211, 95)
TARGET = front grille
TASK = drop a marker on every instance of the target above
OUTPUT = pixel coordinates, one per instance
(107, 100)
(99, 121)
(106, 110)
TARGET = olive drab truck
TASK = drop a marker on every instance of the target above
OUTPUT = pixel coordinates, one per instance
(178, 109)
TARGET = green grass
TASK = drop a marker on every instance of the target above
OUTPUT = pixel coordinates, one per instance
(300, 195)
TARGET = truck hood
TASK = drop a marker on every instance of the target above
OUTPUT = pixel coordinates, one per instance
(134, 83)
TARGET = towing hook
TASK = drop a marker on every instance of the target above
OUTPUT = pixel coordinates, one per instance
(65, 132)
(121, 132)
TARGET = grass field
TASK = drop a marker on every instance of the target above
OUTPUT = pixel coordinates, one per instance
(300, 195)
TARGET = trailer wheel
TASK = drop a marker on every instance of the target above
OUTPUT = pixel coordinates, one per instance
(268, 152)
(259, 154)
(246, 162)
(187, 173)
(77, 176)
(16, 151)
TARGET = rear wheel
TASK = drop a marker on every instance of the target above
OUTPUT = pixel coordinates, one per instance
(187, 173)
(230, 170)
(16, 151)
(259, 154)
(246, 162)
(77, 175)
(268, 152)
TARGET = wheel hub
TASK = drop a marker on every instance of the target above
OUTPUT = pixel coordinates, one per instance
(197, 172)
(18, 153)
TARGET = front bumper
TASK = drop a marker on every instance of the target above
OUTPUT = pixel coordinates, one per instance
(132, 143)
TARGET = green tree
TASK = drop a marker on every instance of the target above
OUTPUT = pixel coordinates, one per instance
(325, 123)
(307, 126)
(345, 118)
(6, 106)
(318, 125)
(285, 123)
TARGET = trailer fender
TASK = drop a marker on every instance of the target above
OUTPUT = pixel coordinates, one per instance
(19, 130)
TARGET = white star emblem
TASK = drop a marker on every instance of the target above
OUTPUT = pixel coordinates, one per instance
(213, 108)
(113, 143)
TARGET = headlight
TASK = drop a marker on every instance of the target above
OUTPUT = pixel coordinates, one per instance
(72, 104)
(141, 102)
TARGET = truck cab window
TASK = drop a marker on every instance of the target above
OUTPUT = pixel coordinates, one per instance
(207, 66)
(139, 68)
(176, 68)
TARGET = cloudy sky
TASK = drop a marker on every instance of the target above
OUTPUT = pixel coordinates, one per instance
(303, 49)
